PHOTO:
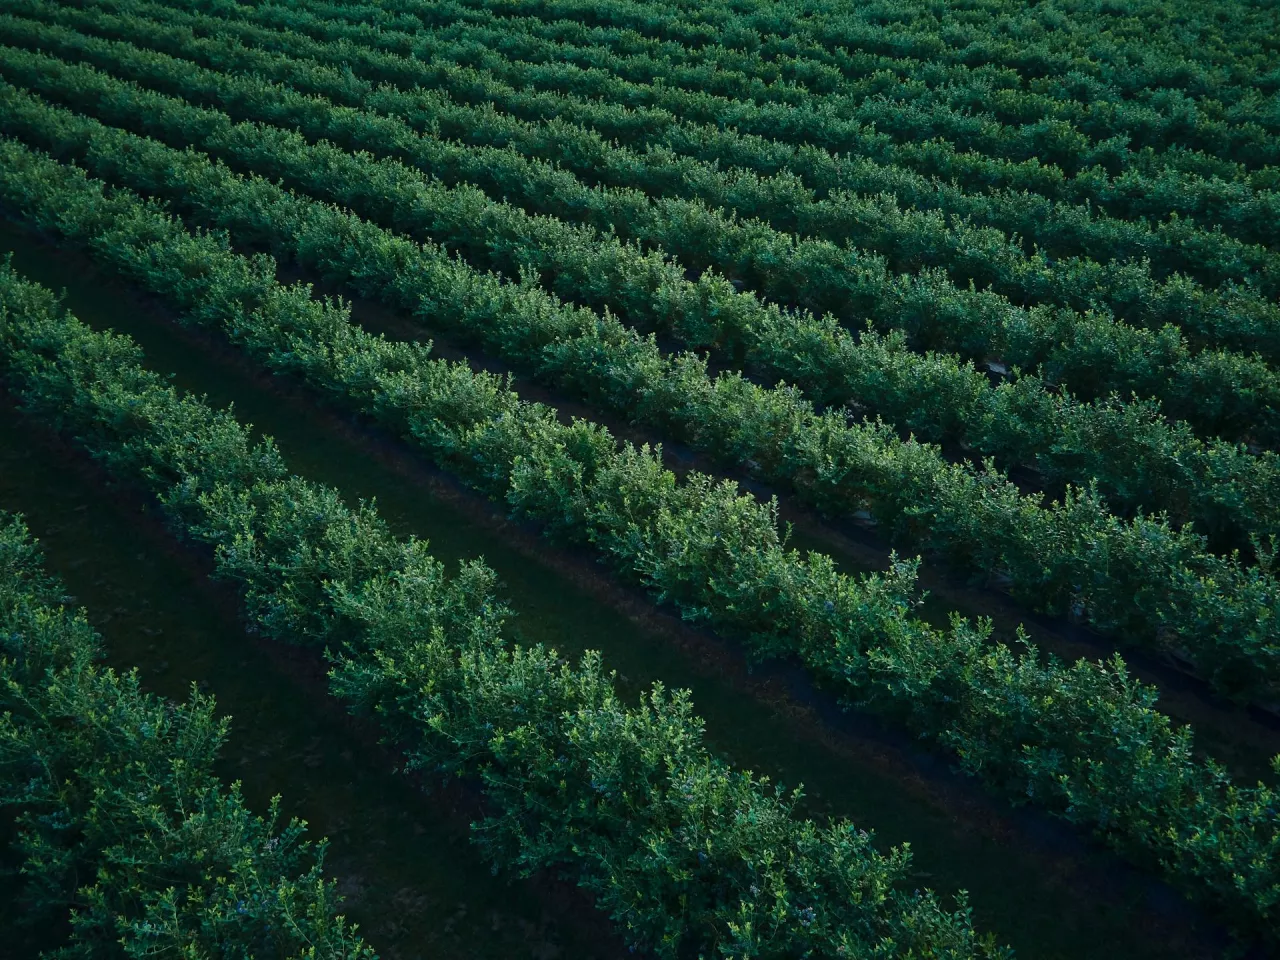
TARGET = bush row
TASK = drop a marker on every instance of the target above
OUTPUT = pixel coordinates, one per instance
(1160, 465)
(750, 65)
(1240, 314)
(1090, 352)
(836, 122)
(1060, 230)
(1227, 493)
(1084, 741)
(1131, 49)
(1154, 121)
(679, 848)
(1144, 188)
(454, 66)
(1142, 580)
(958, 120)
(125, 841)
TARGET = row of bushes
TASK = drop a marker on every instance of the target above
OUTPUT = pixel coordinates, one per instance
(1239, 208)
(1059, 229)
(1239, 315)
(1221, 393)
(1085, 741)
(683, 851)
(781, 68)
(1225, 56)
(1142, 580)
(1056, 228)
(838, 123)
(1201, 177)
(1171, 120)
(123, 840)
(1137, 459)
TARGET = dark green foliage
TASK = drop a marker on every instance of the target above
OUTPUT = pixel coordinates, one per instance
(1084, 741)
(928, 137)
(128, 843)
(1143, 580)
(1080, 194)
(502, 55)
(1091, 353)
(678, 847)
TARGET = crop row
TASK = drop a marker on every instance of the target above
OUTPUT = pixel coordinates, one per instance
(1133, 193)
(1229, 49)
(1175, 245)
(1130, 125)
(830, 121)
(1203, 389)
(679, 848)
(1083, 741)
(826, 274)
(1142, 580)
(986, 256)
(1135, 457)
(719, 68)
(738, 66)
(826, 126)
(120, 832)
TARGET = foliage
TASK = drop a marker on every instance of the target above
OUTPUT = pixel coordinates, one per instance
(991, 224)
(682, 850)
(1083, 741)
(1089, 351)
(128, 843)
(1138, 458)
(1143, 580)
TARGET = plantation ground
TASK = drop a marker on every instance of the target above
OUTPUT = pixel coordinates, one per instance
(402, 859)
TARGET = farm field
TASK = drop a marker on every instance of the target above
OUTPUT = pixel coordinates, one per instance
(571, 480)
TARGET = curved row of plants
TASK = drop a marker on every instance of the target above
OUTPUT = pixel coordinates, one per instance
(1141, 581)
(1240, 314)
(1084, 741)
(1079, 231)
(1089, 352)
(1137, 459)
(1204, 390)
(1130, 126)
(679, 848)
(1131, 194)
(740, 58)
(1221, 55)
(836, 122)
(122, 839)
(773, 66)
